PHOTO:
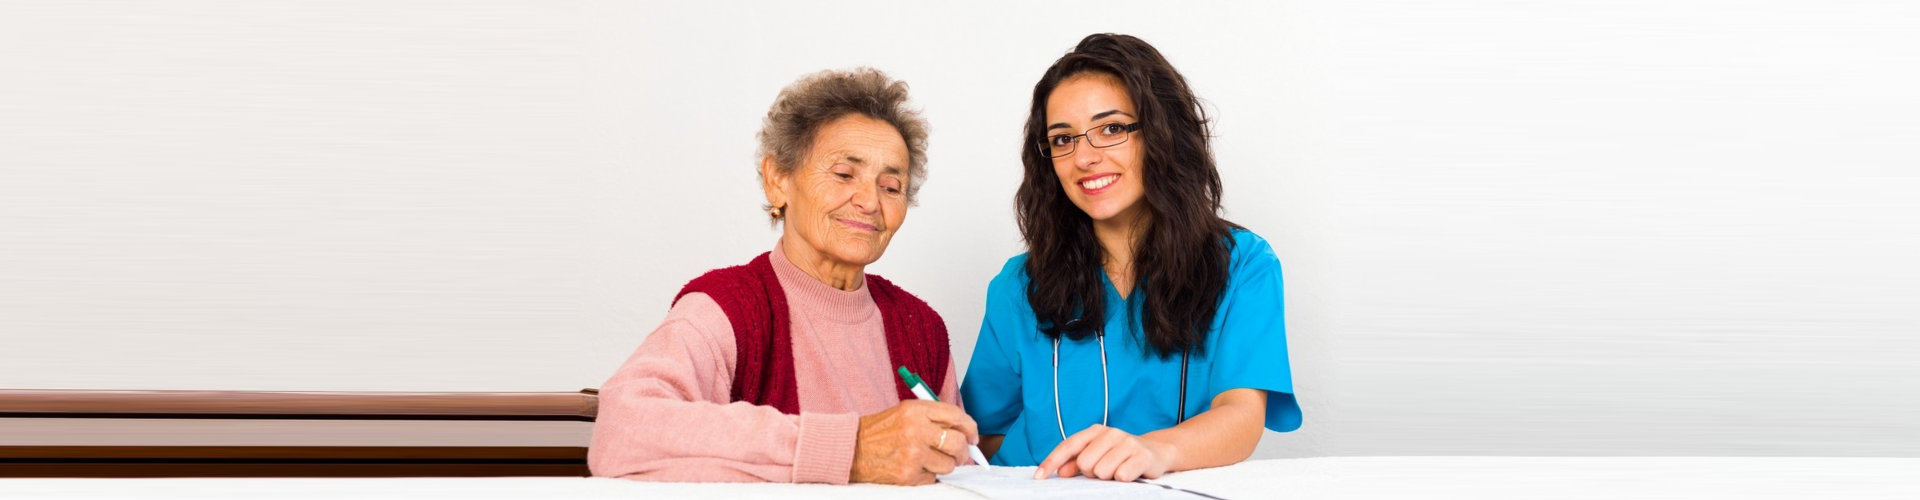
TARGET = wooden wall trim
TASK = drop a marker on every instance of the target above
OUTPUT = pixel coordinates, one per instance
(89, 433)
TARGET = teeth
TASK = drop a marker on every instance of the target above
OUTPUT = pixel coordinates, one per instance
(1099, 183)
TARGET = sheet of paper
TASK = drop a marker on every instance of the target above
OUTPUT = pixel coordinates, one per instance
(1018, 483)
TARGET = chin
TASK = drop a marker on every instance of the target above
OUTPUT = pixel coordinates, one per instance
(1108, 209)
(1100, 212)
(859, 255)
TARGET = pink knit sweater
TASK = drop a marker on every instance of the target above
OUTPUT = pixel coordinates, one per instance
(665, 415)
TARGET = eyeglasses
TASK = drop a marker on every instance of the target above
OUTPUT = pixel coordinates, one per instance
(1104, 136)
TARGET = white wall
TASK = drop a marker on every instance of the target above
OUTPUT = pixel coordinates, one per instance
(1675, 227)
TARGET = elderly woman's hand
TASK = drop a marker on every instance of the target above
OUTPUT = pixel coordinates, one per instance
(912, 442)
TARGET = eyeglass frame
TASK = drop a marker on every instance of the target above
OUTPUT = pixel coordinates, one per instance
(1046, 146)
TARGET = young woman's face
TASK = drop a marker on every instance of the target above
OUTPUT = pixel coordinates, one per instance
(1105, 182)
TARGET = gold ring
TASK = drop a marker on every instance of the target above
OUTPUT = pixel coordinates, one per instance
(943, 439)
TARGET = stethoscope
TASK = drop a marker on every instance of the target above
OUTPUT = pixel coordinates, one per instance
(1104, 387)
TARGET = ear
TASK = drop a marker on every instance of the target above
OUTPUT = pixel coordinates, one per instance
(775, 182)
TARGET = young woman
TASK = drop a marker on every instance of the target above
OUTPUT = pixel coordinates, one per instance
(1141, 333)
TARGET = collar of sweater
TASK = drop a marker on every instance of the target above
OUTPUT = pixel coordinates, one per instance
(817, 300)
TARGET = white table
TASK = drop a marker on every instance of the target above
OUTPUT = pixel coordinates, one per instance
(1312, 478)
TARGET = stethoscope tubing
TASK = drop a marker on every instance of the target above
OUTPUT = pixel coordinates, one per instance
(1105, 387)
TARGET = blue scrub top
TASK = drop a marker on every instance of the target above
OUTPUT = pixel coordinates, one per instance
(1009, 384)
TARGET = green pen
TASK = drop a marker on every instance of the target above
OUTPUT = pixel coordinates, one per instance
(920, 390)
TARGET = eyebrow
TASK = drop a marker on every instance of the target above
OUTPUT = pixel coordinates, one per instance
(1096, 116)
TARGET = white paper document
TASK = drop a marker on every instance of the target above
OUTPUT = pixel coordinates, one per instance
(1018, 483)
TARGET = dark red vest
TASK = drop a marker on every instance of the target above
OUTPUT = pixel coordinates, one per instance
(762, 333)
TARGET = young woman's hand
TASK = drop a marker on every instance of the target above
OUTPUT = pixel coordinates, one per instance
(1108, 453)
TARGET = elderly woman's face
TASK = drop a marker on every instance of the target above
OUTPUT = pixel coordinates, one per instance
(849, 195)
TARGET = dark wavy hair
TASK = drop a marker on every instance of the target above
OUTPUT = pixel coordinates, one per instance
(1180, 264)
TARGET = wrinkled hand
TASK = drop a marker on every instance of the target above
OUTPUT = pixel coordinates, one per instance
(903, 445)
(1107, 453)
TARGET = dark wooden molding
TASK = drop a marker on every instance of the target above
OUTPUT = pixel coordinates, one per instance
(69, 433)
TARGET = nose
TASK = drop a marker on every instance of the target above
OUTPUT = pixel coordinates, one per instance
(1085, 156)
(866, 198)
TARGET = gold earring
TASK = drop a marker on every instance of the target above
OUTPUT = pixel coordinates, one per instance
(774, 212)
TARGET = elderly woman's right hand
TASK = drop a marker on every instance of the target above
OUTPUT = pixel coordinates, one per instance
(912, 442)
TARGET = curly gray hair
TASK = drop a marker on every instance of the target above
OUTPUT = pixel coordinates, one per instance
(820, 98)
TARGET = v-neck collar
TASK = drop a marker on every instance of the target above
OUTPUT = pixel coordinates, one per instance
(1114, 291)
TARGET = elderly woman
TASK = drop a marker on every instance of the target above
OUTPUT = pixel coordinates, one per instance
(783, 369)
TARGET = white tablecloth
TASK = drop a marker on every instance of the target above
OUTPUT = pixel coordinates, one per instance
(1475, 478)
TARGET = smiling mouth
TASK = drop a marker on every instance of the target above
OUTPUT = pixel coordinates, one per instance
(1098, 183)
(860, 225)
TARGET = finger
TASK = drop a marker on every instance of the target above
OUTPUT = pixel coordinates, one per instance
(952, 416)
(1133, 468)
(938, 463)
(1154, 471)
(1109, 465)
(967, 426)
(1067, 450)
(1089, 458)
(1070, 469)
(957, 447)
